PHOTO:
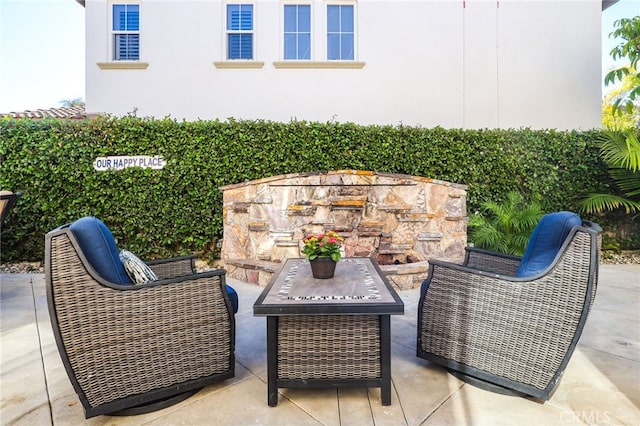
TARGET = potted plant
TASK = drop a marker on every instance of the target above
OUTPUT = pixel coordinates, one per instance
(323, 251)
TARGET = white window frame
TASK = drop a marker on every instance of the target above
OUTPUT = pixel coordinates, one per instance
(112, 33)
(227, 32)
(312, 32)
(224, 62)
(319, 32)
(325, 43)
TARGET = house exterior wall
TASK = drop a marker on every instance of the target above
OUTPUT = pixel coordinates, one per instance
(455, 64)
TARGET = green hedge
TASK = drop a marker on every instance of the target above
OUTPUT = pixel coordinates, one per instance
(178, 210)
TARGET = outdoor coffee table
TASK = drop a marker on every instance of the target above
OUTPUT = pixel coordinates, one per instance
(328, 333)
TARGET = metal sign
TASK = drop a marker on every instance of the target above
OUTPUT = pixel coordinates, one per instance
(120, 162)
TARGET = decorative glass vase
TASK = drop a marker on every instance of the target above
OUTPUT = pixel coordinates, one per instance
(323, 267)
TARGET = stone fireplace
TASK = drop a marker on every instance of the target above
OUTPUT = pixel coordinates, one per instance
(399, 220)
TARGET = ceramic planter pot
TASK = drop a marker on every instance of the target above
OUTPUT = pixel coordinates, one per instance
(322, 267)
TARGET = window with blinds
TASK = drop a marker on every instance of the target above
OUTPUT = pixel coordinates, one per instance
(297, 31)
(239, 31)
(340, 32)
(126, 32)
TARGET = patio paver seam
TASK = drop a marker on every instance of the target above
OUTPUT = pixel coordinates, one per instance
(395, 391)
(41, 350)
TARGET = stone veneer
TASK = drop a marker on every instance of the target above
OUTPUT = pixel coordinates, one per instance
(400, 220)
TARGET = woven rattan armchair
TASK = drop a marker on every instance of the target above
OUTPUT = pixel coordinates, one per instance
(494, 328)
(130, 349)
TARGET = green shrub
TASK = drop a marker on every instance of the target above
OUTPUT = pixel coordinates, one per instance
(505, 227)
(178, 210)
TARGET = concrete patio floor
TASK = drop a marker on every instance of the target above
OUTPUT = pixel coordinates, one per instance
(601, 384)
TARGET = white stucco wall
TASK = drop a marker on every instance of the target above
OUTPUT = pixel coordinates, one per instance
(489, 64)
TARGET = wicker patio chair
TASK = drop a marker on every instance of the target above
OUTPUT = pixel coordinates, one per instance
(508, 324)
(134, 348)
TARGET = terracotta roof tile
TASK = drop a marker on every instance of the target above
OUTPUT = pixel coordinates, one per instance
(75, 113)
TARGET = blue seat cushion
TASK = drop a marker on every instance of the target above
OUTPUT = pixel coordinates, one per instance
(99, 247)
(545, 242)
(423, 287)
(233, 297)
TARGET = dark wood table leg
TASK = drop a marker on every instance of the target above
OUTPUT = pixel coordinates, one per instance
(385, 359)
(272, 361)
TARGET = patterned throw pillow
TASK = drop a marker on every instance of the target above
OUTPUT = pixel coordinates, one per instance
(138, 271)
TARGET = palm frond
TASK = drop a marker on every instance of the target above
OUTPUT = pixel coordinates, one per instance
(627, 180)
(620, 148)
(486, 237)
(529, 218)
(520, 241)
(504, 227)
(595, 203)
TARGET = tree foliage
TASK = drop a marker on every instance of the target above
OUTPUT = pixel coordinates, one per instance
(72, 102)
(619, 118)
(627, 29)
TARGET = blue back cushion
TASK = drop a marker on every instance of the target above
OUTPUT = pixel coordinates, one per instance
(99, 247)
(233, 297)
(545, 242)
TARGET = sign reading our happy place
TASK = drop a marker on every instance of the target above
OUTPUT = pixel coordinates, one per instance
(120, 162)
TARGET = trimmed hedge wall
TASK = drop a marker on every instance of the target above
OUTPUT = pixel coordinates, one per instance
(178, 210)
